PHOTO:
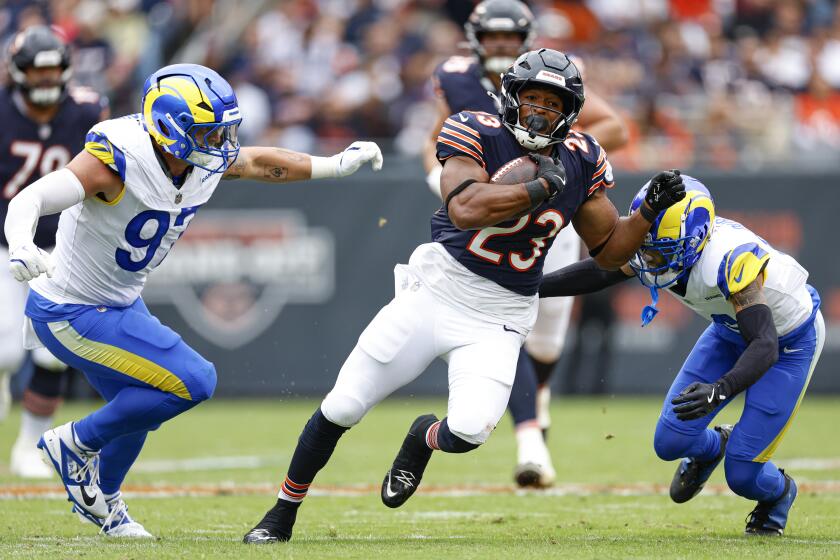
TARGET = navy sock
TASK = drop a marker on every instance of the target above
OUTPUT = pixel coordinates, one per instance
(523, 394)
(315, 446)
(543, 370)
(438, 436)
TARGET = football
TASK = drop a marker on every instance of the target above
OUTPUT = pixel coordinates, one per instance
(519, 170)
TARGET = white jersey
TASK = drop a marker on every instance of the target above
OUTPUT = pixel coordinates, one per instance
(105, 250)
(732, 259)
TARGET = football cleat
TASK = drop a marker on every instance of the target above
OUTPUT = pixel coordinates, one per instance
(27, 461)
(770, 518)
(77, 468)
(534, 468)
(692, 475)
(5, 395)
(276, 525)
(117, 524)
(405, 474)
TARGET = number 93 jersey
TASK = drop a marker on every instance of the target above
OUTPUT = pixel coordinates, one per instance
(512, 253)
(105, 250)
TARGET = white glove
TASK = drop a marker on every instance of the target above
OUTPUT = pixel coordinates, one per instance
(347, 162)
(28, 262)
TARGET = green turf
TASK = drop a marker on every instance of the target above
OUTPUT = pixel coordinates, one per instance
(599, 442)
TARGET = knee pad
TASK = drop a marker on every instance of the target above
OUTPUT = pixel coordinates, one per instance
(343, 410)
(44, 358)
(202, 382)
(669, 444)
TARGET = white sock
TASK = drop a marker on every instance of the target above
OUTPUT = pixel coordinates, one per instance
(530, 445)
(32, 426)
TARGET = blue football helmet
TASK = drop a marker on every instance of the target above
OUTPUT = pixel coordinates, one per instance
(677, 236)
(192, 113)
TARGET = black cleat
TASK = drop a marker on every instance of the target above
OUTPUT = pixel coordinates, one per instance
(692, 475)
(769, 519)
(276, 525)
(404, 476)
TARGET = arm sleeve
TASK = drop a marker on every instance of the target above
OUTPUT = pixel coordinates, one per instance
(582, 277)
(757, 328)
(50, 194)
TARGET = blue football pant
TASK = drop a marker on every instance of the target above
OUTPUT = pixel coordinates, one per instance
(142, 368)
(769, 408)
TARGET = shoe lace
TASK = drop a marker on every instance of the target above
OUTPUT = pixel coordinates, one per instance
(759, 516)
(118, 512)
(90, 469)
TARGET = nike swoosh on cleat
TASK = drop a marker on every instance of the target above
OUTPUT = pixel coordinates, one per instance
(388, 491)
(89, 500)
(787, 350)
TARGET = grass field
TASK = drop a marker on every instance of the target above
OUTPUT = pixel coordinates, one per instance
(207, 477)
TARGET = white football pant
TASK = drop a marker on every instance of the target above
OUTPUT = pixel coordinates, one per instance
(416, 327)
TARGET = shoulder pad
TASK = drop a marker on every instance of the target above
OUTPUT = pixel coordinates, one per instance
(461, 134)
(597, 169)
(740, 267)
(109, 141)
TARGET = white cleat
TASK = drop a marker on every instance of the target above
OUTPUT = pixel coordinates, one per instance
(118, 524)
(534, 468)
(77, 468)
(543, 405)
(5, 395)
(28, 462)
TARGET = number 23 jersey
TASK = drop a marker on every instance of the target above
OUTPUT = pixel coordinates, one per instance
(512, 253)
(105, 250)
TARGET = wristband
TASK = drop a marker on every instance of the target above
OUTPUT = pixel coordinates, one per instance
(323, 167)
(536, 192)
(648, 213)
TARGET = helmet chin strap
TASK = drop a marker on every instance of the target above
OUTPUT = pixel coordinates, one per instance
(650, 311)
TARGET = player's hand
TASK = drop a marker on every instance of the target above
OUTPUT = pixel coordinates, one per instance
(28, 262)
(355, 155)
(666, 189)
(551, 171)
(698, 400)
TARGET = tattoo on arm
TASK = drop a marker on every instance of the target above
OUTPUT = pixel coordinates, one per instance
(274, 173)
(749, 296)
(235, 171)
(290, 155)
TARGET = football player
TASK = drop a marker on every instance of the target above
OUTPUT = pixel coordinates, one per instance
(498, 31)
(45, 120)
(470, 296)
(764, 340)
(124, 201)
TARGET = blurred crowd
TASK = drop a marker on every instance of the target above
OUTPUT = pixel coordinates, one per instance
(728, 83)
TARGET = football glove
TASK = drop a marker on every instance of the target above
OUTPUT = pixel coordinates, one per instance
(28, 262)
(347, 162)
(666, 189)
(552, 171)
(697, 400)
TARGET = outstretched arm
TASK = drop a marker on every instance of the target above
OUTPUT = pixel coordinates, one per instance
(611, 240)
(583, 277)
(278, 165)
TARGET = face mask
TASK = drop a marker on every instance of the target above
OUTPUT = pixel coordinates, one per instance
(498, 64)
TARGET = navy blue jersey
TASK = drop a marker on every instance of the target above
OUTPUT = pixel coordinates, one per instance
(512, 252)
(460, 81)
(29, 150)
